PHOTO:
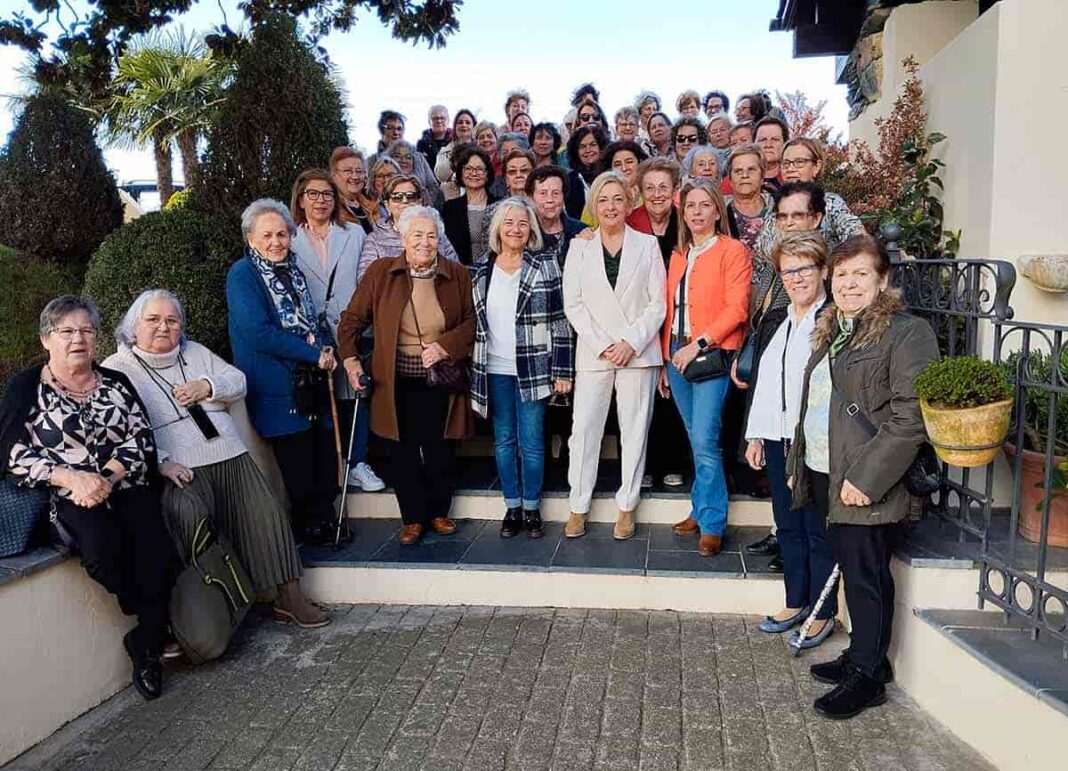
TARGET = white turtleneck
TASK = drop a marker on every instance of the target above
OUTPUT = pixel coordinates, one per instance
(177, 440)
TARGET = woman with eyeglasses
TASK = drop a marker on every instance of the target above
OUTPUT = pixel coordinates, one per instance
(590, 113)
(487, 139)
(399, 193)
(382, 169)
(411, 161)
(81, 431)
(348, 170)
(327, 251)
(463, 133)
(772, 406)
(464, 216)
(585, 152)
(686, 134)
(660, 135)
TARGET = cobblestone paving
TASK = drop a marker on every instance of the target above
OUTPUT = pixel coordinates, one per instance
(442, 688)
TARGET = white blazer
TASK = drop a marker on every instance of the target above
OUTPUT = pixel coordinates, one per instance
(633, 311)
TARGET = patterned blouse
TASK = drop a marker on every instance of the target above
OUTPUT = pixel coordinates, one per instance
(84, 436)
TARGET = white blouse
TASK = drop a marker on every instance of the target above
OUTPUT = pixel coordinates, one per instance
(501, 304)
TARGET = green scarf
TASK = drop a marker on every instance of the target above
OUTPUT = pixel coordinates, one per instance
(845, 332)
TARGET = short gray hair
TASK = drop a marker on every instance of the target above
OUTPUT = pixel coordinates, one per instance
(514, 136)
(126, 331)
(262, 206)
(691, 158)
(626, 111)
(421, 213)
(500, 211)
(644, 97)
(60, 307)
(720, 116)
(433, 107)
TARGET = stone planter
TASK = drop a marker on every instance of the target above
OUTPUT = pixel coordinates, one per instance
(967, 437)
(1048, 272)
(1032, 493)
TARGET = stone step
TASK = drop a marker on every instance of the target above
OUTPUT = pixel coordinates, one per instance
(656, 507)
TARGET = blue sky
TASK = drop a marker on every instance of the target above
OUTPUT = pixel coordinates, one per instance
(547, 47)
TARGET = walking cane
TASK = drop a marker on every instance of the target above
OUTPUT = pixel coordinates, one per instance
(337, 430)
(342, 505)
(795, 646)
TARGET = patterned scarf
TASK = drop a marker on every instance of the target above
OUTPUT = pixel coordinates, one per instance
(845, 332)
(428, 272)
(289, 290)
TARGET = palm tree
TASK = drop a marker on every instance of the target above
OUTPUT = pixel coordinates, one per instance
(165, 90)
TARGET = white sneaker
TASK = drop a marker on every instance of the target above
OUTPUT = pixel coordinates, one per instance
(364, 477)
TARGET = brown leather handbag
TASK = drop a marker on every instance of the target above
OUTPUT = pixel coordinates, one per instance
(446, 375)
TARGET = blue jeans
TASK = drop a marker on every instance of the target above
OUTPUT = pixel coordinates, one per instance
(518, 442)
(807, 554)
(701, 408)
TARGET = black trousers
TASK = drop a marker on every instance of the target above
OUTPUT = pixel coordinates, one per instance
(669, 446)
(125, 548)
(740, 478)
(863, 553)
(308, 462)
(421, 462)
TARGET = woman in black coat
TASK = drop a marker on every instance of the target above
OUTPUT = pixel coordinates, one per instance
(463, 216)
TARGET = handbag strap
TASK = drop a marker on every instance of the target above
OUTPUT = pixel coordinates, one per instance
(415, 316)
(853, 409)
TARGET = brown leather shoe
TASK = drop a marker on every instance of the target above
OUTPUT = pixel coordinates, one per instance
(687, 526)
(709, 545)
(443, 526)
(410, 534)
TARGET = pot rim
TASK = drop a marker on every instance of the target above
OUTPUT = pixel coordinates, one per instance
(1010, 401)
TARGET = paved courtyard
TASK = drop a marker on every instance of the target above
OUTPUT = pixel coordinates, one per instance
(439, 688)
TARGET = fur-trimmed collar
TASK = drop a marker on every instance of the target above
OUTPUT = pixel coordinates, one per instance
(873, 321)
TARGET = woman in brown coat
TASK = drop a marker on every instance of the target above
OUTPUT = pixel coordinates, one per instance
(422, 311)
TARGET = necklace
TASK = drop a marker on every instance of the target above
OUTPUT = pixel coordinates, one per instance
(72, 391)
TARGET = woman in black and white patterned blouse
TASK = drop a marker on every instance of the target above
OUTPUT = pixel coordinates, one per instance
(81, 430)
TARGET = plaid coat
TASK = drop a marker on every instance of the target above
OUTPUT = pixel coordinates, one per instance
(544, 341)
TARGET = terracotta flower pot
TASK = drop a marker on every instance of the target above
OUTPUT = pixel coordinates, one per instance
(967, 437)
(1032, 493)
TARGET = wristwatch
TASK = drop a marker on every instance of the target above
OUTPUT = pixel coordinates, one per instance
(702, 343)
(108, 475)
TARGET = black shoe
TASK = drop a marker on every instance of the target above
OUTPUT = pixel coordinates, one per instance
(775, 564)
(532, 522)
(147, 670)
(852, 696)
(833, 672)
(768, 546)
(512, 522)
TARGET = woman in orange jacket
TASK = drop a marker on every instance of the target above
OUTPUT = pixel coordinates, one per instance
(707, 309)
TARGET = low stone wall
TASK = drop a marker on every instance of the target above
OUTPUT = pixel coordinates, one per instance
(61, 648)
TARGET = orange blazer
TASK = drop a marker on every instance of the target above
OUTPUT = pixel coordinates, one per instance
(718, 293)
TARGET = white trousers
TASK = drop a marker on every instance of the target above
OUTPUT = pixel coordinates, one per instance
(635, 389)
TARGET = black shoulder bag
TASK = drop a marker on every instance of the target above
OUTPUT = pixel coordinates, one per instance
(923, 477)
(311, 392)
(709, 363)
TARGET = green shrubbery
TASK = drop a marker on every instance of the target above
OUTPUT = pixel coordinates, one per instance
(180, 250)
(963, 381)
(28, 283)
(57, 198)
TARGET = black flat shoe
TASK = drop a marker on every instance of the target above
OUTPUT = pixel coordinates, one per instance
(147, 670)
(532, 523)
(833, 672)
(775, 564)
(856, 693)
(767, 546)
(512, 522)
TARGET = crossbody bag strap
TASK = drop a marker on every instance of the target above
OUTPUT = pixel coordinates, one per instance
(853, 409)
(415, 316)
(330, 284)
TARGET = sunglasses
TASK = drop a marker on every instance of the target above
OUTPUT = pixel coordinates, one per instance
(587, 118)
(404, 197)
(686, 139)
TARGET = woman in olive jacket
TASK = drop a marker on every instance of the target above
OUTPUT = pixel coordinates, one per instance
(866, 353)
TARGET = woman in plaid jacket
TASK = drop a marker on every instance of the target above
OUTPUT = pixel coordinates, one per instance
(524, 353)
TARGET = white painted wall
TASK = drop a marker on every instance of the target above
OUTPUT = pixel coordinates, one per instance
(61, 653)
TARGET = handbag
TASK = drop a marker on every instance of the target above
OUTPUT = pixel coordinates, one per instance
(923, 477)
(746, 357)
(21, 509)
(311, 392)
(446, 375)
(709, 363)
(210, 598)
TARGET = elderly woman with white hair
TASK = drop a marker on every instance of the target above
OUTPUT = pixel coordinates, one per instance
(284, 347)
(187, 392)
(420, 306)
(523, 355)
(702, 162)
(614, 298)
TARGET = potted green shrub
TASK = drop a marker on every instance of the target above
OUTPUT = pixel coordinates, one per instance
(966, 404)
(1036, 441)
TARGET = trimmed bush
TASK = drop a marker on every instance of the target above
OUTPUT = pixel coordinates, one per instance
(29, 283)
(281, 114)
(180, 250)
(57, 198)
(963, 381)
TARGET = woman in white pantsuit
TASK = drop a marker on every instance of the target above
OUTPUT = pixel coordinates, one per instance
(614, 297)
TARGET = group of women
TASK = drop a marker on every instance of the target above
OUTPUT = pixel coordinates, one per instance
(497, 306)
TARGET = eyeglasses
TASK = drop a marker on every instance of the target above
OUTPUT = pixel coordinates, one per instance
(798, 274)
(316, 195)
(68, 333)
(797, 163)
(626, 124)
(686, 139)
(404, 197)
(793, 216)
(651, 190)
(476, 171)
(171, 322)
(587, 118)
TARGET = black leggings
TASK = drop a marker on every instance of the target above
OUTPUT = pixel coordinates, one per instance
(308, 462)
(125, 548)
